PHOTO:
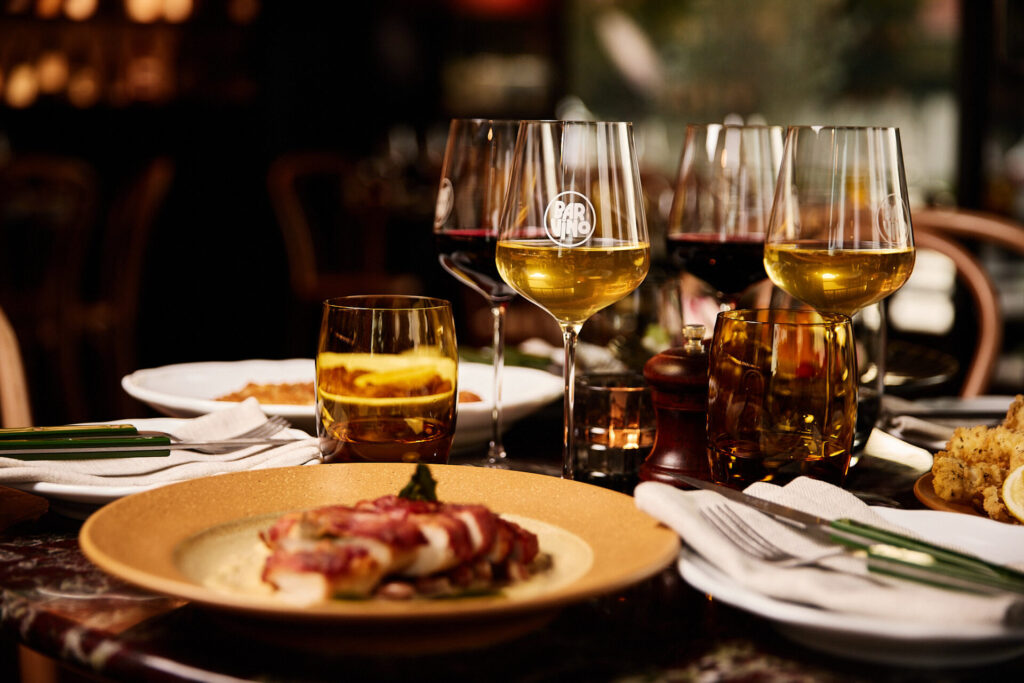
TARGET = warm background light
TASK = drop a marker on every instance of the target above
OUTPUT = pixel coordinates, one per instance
(47, 9)
(243, 11)
(52, 69)
(80, 10)
(22, 86)
(84, 87)
(177, 11)
(144, 11)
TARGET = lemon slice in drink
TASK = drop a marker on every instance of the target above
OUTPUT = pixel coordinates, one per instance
(402, 378)
(1013, 493)
(403, 372)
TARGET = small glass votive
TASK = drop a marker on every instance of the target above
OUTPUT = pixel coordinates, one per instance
(614, 425)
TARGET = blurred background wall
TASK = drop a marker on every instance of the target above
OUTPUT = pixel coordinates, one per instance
(154, 153)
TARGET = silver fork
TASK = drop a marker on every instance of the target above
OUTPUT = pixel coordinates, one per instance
(273, 425)
(751, 541)
(754, 543)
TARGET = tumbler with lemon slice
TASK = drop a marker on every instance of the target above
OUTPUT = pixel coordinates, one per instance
(386, 379)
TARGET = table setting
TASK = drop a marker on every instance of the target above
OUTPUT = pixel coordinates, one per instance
(84, 481)
(388, 501)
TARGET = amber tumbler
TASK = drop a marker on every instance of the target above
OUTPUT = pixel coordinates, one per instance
(386, 379)
(782, 397)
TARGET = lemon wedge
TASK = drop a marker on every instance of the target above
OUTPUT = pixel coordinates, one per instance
(1013, 493)
(404, 378)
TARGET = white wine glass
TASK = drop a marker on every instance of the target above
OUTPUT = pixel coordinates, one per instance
(474, 178)
(573, 236)
(840, 237)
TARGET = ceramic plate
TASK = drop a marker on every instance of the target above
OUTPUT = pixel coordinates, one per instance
(189, 389)
(887, 641)
(161, 540)
(924, 490)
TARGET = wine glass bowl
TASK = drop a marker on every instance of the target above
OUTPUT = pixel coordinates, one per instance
(840, 235)
(722, 204)
(573, 236)
(474, 177)
(471, 193)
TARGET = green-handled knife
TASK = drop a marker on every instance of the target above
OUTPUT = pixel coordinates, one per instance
(66, 432)
(888, 552)
(74, 442)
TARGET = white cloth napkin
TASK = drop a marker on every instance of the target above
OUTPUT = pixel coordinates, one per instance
(180, 464)
(838, 582)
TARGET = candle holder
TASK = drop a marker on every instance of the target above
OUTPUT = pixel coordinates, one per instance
(614, 429)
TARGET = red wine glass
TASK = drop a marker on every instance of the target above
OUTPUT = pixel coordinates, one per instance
(474, 179)
(722, 204)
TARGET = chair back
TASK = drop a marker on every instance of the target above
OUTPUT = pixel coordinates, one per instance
(334, 224)
(950, 232)
(15, 408)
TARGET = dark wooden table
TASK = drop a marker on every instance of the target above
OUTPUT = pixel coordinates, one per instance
(54, 601)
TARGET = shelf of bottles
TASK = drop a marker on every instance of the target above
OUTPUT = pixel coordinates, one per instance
(117, 53)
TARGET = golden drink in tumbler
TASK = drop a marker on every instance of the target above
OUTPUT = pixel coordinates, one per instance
(386, 380)
(782, 398)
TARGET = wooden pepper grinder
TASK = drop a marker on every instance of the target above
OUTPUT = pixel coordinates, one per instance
(679, 388)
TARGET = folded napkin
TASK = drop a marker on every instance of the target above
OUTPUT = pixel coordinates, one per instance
(839, 583)
(180, 464)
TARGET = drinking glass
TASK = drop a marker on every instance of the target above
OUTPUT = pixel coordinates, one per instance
(722, 203)
(782, 396)
(386, 379)
(474, 177)
(573, 236)
(840, 237)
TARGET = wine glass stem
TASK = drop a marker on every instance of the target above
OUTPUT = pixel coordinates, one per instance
(496, 450)
(569, 334)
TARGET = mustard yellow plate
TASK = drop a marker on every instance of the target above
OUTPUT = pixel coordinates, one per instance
(198, 540)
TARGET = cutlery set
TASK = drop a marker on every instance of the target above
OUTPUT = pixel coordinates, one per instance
(73, 442)
(886, 552)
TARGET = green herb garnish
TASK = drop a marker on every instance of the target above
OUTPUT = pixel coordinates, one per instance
(421, 486)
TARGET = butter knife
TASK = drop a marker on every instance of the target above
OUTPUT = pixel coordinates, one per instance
(889, 550)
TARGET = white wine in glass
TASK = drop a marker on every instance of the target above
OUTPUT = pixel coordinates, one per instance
(840, 236)
(573, 236)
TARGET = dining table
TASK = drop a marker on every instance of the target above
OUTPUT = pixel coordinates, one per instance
(55, 602)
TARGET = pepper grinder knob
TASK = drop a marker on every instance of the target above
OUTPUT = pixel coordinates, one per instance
(679, 389)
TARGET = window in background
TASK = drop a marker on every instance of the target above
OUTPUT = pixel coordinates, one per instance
(664, 63)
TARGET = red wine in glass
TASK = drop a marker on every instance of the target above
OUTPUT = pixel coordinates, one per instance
(469, 256)
(730, 265)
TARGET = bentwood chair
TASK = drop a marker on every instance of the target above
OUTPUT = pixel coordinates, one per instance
(47, 222)
(15, 408)
(987, 311)
(951, 232)
(333, 219)
(110, 317)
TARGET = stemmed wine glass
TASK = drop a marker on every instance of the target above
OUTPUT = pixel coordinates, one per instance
(722, 203)
(573, 235)
(840, 236)
(474, 177)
